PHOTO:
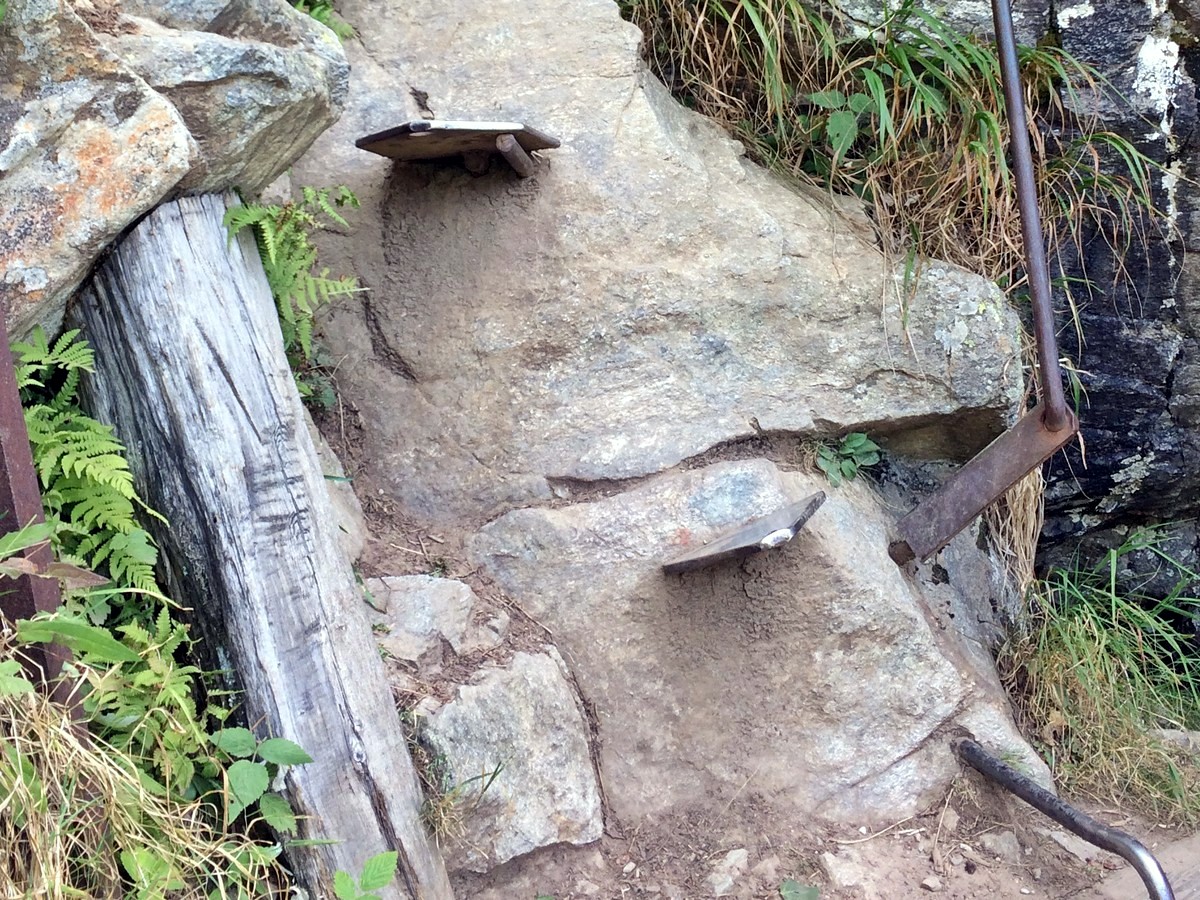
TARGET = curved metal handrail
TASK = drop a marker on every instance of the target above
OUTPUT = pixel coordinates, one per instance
(1097, 833)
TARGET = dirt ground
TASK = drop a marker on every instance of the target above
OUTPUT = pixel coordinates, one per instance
(996, 848)
(976, 843)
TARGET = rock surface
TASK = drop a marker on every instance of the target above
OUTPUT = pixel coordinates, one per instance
(85, 148)
(256, 86)
(420, 611)
(649, 295)
(859, 678)
(526, 719)
(87, 145)
(1031, 18)
(1140, 333)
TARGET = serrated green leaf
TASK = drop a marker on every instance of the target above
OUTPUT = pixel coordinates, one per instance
(277, 813)
(828, 99)
(237, 742)
(378, 871)
(842, 130)
(92, 643)
(11, 679)
(247, 781)
(344, 887)
(860, 103)
(283, 752)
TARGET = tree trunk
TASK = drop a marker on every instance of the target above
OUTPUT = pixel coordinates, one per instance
(191, 371)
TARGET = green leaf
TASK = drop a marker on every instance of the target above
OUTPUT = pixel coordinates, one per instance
(849, 469)
(791, 889)
(378, 871)
(11, 679)
(853, 441)
(150, 871)
(247, 781)
(866, 458)
(283, 752)
(842, 129)
(344, 887)
(277, 813)
(23, 538)
(237, 742)
(828, 99)
(92, 643)
(860, 103)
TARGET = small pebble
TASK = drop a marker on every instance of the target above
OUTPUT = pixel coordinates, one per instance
(629, 867)
(1026, 890)
(932, 883)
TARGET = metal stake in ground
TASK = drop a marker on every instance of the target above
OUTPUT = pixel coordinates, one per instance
(1097, 833)
(930, 526)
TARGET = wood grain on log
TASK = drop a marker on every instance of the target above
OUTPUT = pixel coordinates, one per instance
(191, 371)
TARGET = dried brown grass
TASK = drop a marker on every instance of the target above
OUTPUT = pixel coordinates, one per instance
(77, 820)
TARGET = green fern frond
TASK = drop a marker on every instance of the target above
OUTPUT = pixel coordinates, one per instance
(82, 448)
(283, 234)
(87, 486)
(96, 508)
(35, 360)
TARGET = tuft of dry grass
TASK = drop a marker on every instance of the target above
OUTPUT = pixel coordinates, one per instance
(909, 116)
(1014, 524)
(78, 821)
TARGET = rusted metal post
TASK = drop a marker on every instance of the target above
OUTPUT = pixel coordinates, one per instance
(1049, 425)
(20, 504)
(1054, 404)
(512, 151)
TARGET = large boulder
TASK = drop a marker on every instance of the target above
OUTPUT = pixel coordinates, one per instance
(107, 114)
(584, 360)
(650, 295)
(255, 80)
(86, 147)
(818, 673)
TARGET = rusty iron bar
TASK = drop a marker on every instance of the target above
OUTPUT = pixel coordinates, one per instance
(978, 484)
(1055, 413)
(21, 504)
(1049, 425)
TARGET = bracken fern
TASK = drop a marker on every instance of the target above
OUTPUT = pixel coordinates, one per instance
(289, 260)
(87, 488)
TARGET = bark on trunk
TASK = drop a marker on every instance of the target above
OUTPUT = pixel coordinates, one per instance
(191, 371)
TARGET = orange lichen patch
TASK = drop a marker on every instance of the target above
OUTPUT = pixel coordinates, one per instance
(66, 202)
(112, 165)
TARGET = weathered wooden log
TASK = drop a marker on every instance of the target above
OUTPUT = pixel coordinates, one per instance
(191, 372)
